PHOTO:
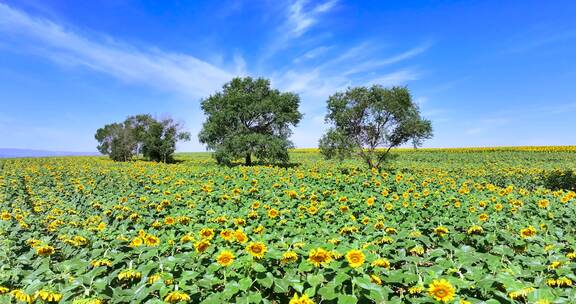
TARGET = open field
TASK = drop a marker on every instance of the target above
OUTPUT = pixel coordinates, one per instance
(436, 225)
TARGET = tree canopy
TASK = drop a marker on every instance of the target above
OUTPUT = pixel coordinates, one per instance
(369, 121)
(141, 134)
(117, 141)
(248, 118)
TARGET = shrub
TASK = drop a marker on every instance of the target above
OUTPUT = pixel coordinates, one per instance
(561, 180)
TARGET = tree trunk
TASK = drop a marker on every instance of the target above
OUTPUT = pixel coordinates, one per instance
(248, 159)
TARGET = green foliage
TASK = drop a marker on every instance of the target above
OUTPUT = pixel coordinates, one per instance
(159, 142)
(364, 119)
(117, 141)
(248, 118)
(154, 139)
(91, 209)
(561, 180)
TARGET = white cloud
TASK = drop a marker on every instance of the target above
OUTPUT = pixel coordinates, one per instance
(190, 76)
(184, 74)
(240, 65)
(378, 63)
(400, 77)
(300, 19)
(311, 54)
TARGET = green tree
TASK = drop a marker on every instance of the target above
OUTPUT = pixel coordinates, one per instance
(117, 141)
(159, 139)
(248, 118)
(141, 134)
(139, 126)
(369, 121)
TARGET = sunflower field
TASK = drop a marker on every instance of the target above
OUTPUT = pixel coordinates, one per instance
(433, 227)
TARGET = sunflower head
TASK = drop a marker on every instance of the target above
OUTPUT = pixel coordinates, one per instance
(441, 290)
(304, 299)
(225, 258)
(289, 257)
(256, 249)
(319, 257)
(528, 232)
(355, 258)
(151, 240)
(201, 246)
(176, 297)
(45, 250)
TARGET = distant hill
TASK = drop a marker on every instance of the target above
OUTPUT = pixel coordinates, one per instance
(9, 153)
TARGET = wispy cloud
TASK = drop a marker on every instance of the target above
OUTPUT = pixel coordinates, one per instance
(321, 68)
(378, 63)
(311, 54)
(302, 16)
(396, 78)
(184, 74)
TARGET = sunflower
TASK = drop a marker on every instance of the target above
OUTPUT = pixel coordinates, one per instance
(21, 296)
(49, 296)
(151, 240)
(475, 229)
(201, 246)
(256, 249)
(169, 220)
(441, 290)
(441, 230)
(259, 229)
(227, 234)
(177, 296)
(370, 201)
(301, 300)
(4, 290)
(289, 257)
(207, 233)
(45, 250)
(554, 265)
(225, 258)
(564, 281)
(272, 213)
(240, 236)
(543, 203)
(136, 242)
(99, 263)
(375, 279)
(483, 217)
(187, 238)
(355, 258)
(6, 216)
(129, 275)
(154, 278)
(381, 263)
(522, 293)
(416, 233)
(528, 232)
(319, 257)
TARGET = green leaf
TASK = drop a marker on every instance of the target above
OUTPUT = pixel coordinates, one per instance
(245, 284)
(328, 292)
(281, 285)
(267, 280)
(347, 299)
(258, 267)
(315, 279)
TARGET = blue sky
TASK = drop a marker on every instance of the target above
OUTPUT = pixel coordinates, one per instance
(487, 73)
